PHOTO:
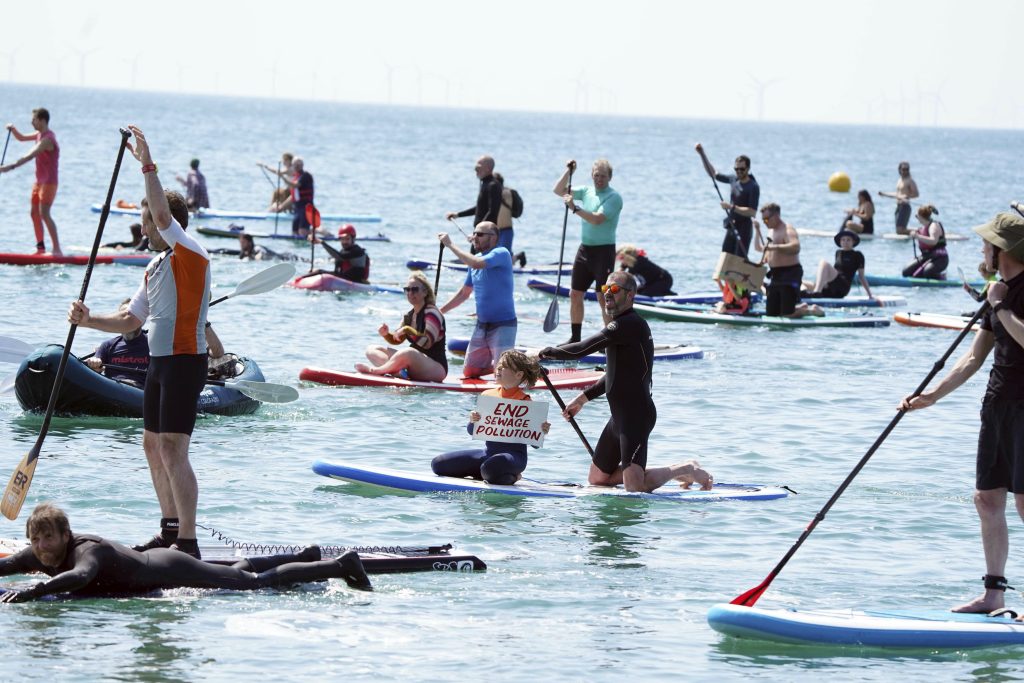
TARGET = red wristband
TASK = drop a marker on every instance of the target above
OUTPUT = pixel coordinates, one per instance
(149, 168)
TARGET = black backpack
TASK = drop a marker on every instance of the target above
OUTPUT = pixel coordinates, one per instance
(517, 204)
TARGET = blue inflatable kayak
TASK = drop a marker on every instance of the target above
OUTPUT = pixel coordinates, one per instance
(84, 391)
(922, 629)
(397, 480)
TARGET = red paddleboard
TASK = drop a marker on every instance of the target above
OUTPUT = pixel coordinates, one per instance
(325, 282)
(948, 322)
(74, 259)
(569, 378)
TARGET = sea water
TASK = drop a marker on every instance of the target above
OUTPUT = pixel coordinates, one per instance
(590, 589)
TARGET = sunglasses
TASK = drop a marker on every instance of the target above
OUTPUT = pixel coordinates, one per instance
(739, 168)
(614, 289)
(483, 234)
(411, 289)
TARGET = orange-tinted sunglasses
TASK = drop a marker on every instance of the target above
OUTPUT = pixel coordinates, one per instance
(614, 289)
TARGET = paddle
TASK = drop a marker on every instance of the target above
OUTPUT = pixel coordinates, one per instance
(751, 596)
(6, 142)
(313, 218)
(437, 275)
(728, 214)
(266, 392)
(551, 318)
(263, 281)
(459, 227)
(21, 478)
(14, 350)
(561, 404)
(277, 193)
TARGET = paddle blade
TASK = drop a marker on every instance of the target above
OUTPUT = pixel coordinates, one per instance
(17, 487)
(753, 595)
(266, 280)
(551, 319)
(7, 386)
(14, 350)
(265, 392)
(312, 215)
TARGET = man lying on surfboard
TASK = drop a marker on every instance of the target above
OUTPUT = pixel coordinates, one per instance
(90, 565)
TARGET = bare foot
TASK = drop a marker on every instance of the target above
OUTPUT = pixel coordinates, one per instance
(991, 600)
(365, 369)
(696, 475)
(57, 252)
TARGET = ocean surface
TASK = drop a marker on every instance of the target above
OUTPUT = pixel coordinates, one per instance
(589, 589)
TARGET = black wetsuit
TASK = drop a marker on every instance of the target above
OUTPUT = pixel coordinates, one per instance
(627, 384)
(847, 264)
(652, 279)
(352, 264)
(96, 566)
(488, 202)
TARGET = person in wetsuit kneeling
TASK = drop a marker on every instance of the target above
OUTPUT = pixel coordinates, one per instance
(621, 453)
(89, 565)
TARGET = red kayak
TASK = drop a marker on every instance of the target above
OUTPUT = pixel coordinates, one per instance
(131, 259)
(569, 378)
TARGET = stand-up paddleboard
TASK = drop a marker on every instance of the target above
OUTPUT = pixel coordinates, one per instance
(325, 282)
(948, 322)
(397, 480)
(567, 378)
(900, 281)
(590, 295)
(129, 259)
(885, 301)
(248, 215)
(540, 269)
(458, 346)
(234, 231)
(923, 629)
(375, 559)
(708, 317)
(804, 232)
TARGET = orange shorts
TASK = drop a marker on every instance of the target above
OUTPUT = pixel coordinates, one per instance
(43, 194)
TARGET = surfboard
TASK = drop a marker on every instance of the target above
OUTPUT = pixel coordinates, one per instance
(458, 345)
(233, 232)
(950, 237)
(398, 480)
(128, 259)
(900, 281)
(710, 297)
(540, 269)
(922, 629)
(565, 378)
(949, 322)
(804, 232)
(325, 282)
(707, 317)
(248, 215)
(376, 559)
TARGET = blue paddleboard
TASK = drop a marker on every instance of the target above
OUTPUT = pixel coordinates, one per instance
(926, 629)
(397, 480)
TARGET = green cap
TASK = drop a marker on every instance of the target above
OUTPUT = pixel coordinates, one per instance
(1005, 231)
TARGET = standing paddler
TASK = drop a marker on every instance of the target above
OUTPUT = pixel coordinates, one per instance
(174, 296)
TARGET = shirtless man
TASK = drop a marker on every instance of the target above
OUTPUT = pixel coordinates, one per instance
(90, 565)
(47, 155)
(782, 253)
(906, 189)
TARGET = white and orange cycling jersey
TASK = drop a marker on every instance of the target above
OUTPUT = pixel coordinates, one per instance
(174, 296)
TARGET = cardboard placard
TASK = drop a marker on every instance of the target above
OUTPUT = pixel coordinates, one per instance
(739, 271)
(510, 421)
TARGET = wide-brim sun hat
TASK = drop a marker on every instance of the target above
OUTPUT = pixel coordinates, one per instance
(1005, 231)
(846, 233)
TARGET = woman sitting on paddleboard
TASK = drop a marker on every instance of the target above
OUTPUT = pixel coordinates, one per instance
(931, 239)
(652, 279)
(865, 211)
(498, 462)
(423, 327)
(834, 281)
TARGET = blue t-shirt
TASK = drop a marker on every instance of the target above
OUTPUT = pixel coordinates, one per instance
(746, 194)
(492, 287)
(607, 202)
(132, 353)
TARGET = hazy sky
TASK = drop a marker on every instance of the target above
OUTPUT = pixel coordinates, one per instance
(911, 62)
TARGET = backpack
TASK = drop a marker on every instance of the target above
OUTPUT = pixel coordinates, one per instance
(517, 204)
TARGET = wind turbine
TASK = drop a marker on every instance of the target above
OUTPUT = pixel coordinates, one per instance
(761, 87)
(582, 88)
(10, 62)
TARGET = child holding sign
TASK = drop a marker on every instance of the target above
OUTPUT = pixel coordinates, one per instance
(498, 462)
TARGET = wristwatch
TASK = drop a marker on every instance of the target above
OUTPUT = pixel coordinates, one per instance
(575, 208)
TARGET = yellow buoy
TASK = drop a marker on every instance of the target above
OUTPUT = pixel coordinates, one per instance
(839, 182)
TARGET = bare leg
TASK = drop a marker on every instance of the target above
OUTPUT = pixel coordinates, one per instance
(379, 355)
(51, 227)
(181, 479)
(854, 226)
(636, 479)
(599, 477)
(575, 306)
(991, 506)
(826, 274)
(161, 484)
(420, 366)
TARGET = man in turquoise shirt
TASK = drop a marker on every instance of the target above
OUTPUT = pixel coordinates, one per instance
(598, 208)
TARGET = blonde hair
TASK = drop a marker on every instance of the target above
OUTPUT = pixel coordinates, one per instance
(428, 296)
(627, 253)
(517, 361)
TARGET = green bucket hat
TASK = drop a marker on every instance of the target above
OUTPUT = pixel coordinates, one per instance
(1005, 231)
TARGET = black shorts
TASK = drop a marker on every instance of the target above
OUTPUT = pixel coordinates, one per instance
(1000, 463)
(835, 289)
(784, 290)
(593, 265)
(624, 441)
(173, 385)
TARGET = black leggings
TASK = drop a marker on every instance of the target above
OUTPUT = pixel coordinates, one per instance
(928, 266)
(499, 468)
